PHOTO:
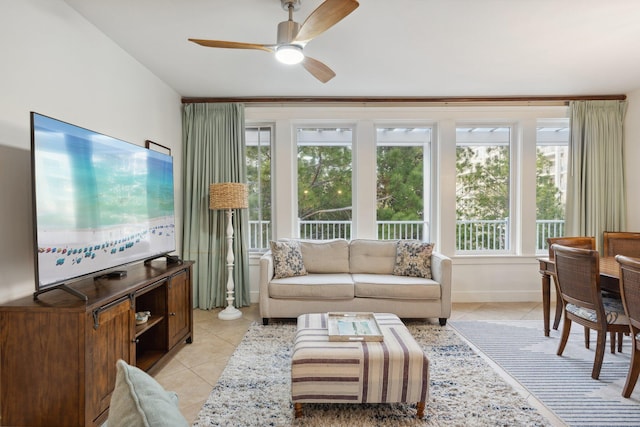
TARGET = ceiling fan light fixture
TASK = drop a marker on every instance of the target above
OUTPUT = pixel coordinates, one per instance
(289, 54)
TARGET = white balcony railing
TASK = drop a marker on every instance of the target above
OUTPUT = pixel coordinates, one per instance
(259, 235)
(546, 228)
(391, 230)
(482, 235)
(471, 235)
(325, 230)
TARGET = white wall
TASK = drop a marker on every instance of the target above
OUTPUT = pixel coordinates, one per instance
(54, 62)
(512, 277)
(632, 156)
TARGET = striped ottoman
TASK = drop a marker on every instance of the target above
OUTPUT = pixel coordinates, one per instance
(323, 371)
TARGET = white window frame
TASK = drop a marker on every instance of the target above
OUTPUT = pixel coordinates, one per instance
(444, 119)
(514, 156)
(326, 125)
(271, 128)
(564, 141)
(429, 177)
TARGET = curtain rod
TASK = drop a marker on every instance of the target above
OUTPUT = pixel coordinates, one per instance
(408, 99)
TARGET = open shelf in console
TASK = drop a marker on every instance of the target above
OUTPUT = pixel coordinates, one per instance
(153, 320)
(151, 337)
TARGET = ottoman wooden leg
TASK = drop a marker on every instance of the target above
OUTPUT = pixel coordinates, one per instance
(298, 409)
(420, 408)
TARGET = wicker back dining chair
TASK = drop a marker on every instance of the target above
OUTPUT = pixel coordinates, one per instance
(578, 275)
(574, 242)
(620, 243)
(630, 291)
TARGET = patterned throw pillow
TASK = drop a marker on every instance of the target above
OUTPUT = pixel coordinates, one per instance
(287, 259)
(413, 258)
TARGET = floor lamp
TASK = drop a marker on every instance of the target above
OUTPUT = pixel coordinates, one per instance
(228, 196)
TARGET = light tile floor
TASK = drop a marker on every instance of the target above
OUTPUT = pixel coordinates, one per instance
(195, 369)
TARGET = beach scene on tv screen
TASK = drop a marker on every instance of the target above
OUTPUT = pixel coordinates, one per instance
(100, 202)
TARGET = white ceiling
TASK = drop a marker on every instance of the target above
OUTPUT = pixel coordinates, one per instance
(393, 48)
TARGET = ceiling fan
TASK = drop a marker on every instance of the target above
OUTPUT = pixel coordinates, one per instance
(292, 37)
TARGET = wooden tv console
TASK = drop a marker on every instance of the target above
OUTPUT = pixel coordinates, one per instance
(58, 353)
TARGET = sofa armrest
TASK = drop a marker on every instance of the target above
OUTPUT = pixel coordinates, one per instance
(441, 273)
(266, 274)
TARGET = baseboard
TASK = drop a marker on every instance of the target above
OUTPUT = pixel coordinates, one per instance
(492, 296)
(254, 297)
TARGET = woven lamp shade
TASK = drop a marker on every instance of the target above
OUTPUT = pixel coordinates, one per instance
(228, 195)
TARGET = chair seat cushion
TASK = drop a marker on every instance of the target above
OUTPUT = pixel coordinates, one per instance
(613, 309)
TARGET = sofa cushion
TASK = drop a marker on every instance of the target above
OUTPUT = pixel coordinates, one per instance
(287, 259)
(395, 287)
(325, 256)
(139, 400)
(313, 286)
(372, 256)
(413, 258)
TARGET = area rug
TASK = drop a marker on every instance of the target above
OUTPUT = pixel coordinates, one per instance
(563, 384)
(254, 389)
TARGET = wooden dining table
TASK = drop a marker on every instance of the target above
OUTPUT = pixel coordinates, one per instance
(609, 281)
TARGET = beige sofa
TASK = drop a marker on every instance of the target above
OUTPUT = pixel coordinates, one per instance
(354, 275)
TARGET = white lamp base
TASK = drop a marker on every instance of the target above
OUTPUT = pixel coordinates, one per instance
(230, 313)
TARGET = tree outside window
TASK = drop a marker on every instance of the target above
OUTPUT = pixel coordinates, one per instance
(258, 141)
(324, 182)
(552, 151)
(482, 188)
(401, 192)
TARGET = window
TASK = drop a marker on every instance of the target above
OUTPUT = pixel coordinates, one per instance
(552, 151)
(482, 188)
(324, 182)
(258, 142)
(402, 190)
(467, 177)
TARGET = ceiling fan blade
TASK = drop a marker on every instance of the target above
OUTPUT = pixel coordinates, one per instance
(232, 45)
(324, 17)
(318, 69)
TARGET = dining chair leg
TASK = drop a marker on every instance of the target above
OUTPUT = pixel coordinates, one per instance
(559, 308)
(556, 320)
(613, 342)
(620, 336)
(634, 370)
(566, 328)
(597, 363)
(587, 335)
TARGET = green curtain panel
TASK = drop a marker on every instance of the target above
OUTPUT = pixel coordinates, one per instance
(214, 151)
(595, 184)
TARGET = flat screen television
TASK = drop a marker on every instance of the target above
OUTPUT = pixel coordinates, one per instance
(98, 203)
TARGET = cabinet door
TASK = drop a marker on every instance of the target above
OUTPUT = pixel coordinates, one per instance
(42, 376)
(109, 330)
(180, 312)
